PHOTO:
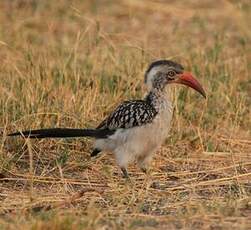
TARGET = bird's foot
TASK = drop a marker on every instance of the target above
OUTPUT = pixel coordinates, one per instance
(147, 173)
(95, 152)
(144, 170)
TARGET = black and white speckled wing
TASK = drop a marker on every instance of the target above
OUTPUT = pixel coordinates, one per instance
(129, 114)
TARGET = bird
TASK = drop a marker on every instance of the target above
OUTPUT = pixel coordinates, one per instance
(136, 128)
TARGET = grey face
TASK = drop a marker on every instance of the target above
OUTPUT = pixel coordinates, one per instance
(159, 73)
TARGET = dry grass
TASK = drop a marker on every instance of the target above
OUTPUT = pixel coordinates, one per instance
(68, 63)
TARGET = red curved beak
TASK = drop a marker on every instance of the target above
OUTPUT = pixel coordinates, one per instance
(189, 80)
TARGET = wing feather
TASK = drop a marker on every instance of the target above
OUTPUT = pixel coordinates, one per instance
(129, 114)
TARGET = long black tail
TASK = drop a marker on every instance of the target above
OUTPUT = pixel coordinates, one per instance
(64, 132)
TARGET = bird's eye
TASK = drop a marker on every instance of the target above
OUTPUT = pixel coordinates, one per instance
(171, 74)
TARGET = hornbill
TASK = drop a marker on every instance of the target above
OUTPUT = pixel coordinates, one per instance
(136, 128)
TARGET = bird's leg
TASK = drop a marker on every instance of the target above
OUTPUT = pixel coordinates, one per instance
(125, 173)
(143, 162)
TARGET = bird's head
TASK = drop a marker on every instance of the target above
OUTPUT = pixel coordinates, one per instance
(163, 72)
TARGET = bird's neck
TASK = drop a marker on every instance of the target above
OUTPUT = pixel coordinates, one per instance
(159, 99)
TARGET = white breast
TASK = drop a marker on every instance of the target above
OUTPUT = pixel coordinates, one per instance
(129, 144)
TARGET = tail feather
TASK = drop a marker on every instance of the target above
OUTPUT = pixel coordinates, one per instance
(64, 132)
